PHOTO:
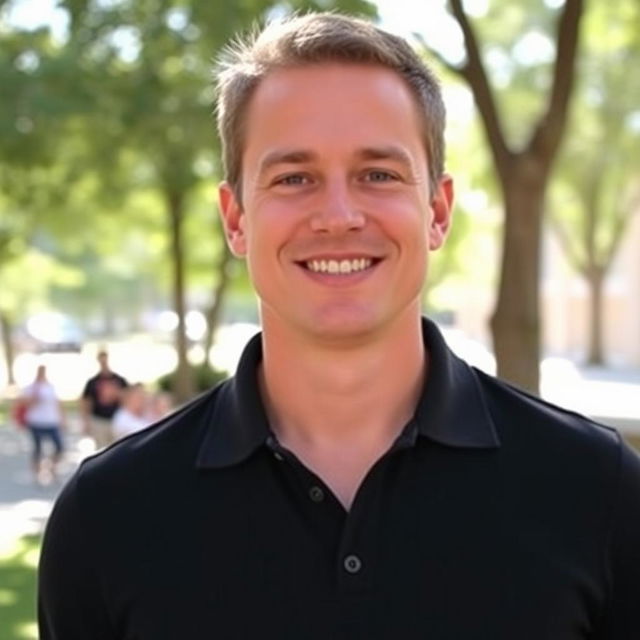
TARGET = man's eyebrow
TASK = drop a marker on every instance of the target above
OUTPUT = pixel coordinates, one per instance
(390, 152)
(293, 156)
(300, 156)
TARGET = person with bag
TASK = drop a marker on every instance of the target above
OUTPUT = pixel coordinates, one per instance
(19, 413)
(44, 418)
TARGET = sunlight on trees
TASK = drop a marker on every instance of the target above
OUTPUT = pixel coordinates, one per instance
(108, 158)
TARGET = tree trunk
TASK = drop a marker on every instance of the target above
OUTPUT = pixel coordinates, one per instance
(183, 383)
(108, 317)
(214, 313)
(596, 351)
(523, 174)
(515, 323)
(7, 345)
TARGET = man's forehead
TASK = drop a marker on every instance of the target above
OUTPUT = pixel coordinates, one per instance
(283, 81)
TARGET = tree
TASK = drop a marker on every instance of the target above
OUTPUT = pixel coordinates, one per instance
(30, 124)
(523, 170)
(598, 188)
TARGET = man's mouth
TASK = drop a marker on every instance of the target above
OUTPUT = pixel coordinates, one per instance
(344, 266)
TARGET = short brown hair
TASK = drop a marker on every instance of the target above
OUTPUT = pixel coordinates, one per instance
(316, 38)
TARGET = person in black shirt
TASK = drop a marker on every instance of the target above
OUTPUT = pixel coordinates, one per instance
(354, 479)
(100, 400)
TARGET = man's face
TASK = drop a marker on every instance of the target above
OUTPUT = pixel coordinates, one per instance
(103, 361)
(337, 217)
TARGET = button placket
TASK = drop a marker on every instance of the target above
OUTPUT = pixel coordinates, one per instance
(356, 559)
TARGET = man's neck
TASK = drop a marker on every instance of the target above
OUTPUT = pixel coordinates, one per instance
(340, 409)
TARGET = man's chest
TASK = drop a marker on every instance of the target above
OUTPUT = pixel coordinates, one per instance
(297, 566)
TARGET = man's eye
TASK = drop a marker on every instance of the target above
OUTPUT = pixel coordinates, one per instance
(379, 176)
(293, 179)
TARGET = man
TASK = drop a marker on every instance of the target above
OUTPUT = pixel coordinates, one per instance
(100, 400)
(354, 479)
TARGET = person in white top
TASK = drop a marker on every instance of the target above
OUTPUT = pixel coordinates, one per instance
(45, 419)
(133, 412)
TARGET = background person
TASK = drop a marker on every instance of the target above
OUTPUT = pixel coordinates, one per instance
(133, 413)
(45, 419)
(100, 400)
(160, 405)
(139, 409)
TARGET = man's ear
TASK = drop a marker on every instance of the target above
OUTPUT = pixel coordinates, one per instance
(441, 212)
(232, 220)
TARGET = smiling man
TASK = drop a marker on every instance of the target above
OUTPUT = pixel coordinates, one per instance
(354, 479)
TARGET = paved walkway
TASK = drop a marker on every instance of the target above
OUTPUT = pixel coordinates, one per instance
(610, 396)
(24, 504)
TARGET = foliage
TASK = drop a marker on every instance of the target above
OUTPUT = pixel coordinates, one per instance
(107, 148)
(204, 377)
(102, 129)
(597, 188)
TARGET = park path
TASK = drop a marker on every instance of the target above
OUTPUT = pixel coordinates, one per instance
(25, 505)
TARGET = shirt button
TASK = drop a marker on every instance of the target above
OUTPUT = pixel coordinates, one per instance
(316, 494)
(278, 456)
(352, 564)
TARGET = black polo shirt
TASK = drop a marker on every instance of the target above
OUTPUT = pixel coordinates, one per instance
(495, 516)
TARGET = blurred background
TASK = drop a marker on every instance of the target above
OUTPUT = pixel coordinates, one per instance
(109, 231)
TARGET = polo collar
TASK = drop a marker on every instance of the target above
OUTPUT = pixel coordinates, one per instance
(451, 410)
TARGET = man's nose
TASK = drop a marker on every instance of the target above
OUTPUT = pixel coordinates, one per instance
(336, 211)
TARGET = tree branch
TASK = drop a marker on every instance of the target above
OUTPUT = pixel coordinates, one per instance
(475, 74)
(547, 134)
(622, 220)
(570, 248)
(590, 196)
(437, 55)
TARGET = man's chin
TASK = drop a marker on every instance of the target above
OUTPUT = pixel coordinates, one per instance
(342, 327)
(339, 324)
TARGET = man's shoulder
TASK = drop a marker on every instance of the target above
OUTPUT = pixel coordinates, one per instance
(91, 383)
(158, 453)
(544, 441)
(121, 380)
(519, 414)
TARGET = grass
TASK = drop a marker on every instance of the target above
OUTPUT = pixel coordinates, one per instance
(634, 441)
(18, 565)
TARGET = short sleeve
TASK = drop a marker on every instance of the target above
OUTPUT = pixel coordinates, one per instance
(70, 601)
(622, 619)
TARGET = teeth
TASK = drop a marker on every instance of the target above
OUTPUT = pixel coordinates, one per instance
(338, 266)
